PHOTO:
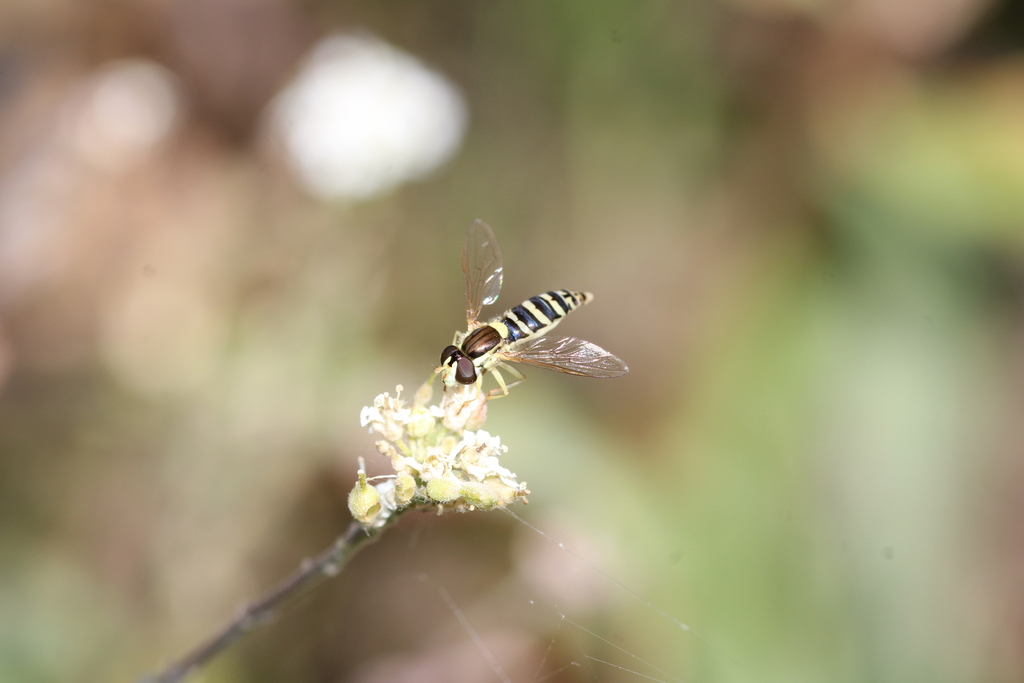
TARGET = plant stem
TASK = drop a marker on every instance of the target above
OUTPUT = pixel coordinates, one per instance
(311, 573)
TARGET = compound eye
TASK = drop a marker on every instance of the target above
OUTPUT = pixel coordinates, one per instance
(465, 372)
(448, 352)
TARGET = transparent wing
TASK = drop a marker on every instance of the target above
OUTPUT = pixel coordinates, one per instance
(481, 268)
(570, 355)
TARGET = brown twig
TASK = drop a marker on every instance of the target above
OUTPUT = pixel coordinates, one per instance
(311, 573)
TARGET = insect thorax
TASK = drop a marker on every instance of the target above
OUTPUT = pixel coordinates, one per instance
(481, 340)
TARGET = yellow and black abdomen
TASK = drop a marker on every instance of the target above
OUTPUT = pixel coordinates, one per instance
(533, 318)
(539, 314)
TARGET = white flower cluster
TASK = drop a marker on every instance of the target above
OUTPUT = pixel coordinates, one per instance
(362, 117)
(439, 454)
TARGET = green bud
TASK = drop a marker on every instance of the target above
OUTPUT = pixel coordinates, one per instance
(405, 488)
(364, 501)
(444, 489)
(479, 495)
(503, 493)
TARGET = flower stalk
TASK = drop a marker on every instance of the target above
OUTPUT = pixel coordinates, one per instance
(441, 458)
(311, 573)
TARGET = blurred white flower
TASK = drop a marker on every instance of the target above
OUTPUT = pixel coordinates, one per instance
(130, 107)
(110, 120)
(363, 117)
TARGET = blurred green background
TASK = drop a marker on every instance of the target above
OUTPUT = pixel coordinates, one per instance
(804, 225)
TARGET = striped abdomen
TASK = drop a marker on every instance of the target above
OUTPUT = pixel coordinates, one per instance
(539, 314)
(534, 317)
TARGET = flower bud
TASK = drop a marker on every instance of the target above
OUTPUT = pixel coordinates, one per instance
(364, 501)
(449, 443)
(421, 423)
(424, 393)
(405, 488)
(504, 493)
(443, 489)
(479, 495)
(477, 416)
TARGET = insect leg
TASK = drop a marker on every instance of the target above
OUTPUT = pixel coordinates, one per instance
(512, 370)
(503, 388)
(503, 391)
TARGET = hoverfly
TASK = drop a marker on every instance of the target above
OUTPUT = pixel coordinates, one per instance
(517, 334)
